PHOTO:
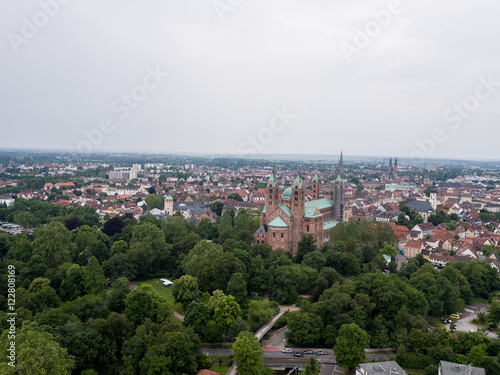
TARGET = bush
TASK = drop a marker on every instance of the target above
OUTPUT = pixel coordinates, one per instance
(281, 322)
(413, 360)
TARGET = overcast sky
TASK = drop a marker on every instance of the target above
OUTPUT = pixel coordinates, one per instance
(297, 76)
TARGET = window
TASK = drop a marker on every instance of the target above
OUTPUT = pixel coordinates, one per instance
(274, 234)
(281, 235)
(308, 228)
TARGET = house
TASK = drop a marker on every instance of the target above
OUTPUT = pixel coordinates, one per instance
(450, 368)
(477, 307)
(424, 208)
(426, 253)
(425, 229)
(207, 372)
(7, 199)
(380, 368)
(412, 249)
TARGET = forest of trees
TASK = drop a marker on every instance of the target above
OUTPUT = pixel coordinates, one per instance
(73, 295)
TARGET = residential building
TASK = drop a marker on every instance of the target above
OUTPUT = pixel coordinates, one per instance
(412, 248)
(380, 368)
(450, 368)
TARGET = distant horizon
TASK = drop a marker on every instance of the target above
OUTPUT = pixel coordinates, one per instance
(333, 157)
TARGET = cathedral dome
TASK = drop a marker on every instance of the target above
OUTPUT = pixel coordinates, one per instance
(287, 194)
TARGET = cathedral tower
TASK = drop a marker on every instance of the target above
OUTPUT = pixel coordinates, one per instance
(315, 187)
(338, 200)
(298, 206)
(272, 195)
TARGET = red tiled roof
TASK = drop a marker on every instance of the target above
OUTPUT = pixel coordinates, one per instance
(207, 372)
(414, 244)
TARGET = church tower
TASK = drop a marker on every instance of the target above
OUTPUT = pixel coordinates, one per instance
(272, 195)
(389, 172)
(298, 204)
(315, 187)
(168, 205)
(395, 169)
(433, 197)
(341, 164)
(338, 200)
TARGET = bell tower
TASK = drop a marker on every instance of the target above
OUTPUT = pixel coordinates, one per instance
(298, 207)
(315, 187)
(272, 195)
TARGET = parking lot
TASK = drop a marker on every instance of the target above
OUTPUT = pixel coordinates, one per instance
(464, 325)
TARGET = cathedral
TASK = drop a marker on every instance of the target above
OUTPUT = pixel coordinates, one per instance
(288, 216)
(392, 174)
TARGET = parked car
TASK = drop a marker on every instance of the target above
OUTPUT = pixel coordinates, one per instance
(287, 350)
(322, 352)
(307, 352)
(297, 354)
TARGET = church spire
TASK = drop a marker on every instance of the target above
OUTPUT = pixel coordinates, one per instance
(273, 181)
(340, 168)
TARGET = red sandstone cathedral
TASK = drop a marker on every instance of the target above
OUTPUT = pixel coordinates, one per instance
(288, 216)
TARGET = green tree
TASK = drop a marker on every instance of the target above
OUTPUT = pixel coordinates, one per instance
(315, 260)
(305, 328)
(197, 317)
(259, 313)
(53, 244)
(235, 196)
(185, 290)
(307, 244)
(148, 249)
(72, 286)
(36, 352)
(211, 265)
(175, 229)
(217, 208)
(350, 346)
(248, 354)
(226, 311)
(116, 295)
(154, 201)
(237, 287)
(119, 265)
(25, 219)
(389, 250)
(313, 368)
(494, 312)
(119, 247)
(140, 305)
(93, 277)
(477, 355)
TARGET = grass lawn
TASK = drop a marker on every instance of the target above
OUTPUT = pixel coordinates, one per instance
(163, 291)
(413, 371)
(437, 322)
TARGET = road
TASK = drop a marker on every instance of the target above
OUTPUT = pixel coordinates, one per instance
(279, 354)
(330, 369)
(266, 328)
(464, 325)
(401, 259)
